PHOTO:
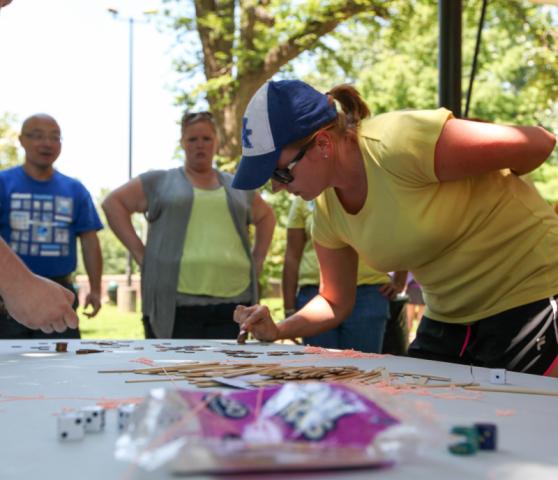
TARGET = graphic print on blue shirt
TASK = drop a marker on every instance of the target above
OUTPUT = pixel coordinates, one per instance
(40, 224)
(40, 220)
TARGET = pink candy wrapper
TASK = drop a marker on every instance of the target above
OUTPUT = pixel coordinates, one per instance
(296, 426)
(325, 414)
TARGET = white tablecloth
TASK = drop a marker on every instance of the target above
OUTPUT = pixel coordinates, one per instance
(36, 385)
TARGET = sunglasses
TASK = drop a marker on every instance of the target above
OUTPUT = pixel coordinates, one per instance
(284, 175)
(189, 118)
(195, 115)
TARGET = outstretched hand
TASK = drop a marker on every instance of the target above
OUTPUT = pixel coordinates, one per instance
(256, 320)
(43, 305)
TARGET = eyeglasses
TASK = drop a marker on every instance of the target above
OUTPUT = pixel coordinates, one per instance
(41, 137)
(284, 175)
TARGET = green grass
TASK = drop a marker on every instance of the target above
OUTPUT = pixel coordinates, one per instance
(111, 323)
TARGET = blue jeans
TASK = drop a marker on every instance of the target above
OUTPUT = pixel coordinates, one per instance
(362, 330)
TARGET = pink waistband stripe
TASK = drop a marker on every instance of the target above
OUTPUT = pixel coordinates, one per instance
(466, 342)
(550, 369)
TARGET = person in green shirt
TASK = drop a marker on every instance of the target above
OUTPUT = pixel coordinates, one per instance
(421, 191)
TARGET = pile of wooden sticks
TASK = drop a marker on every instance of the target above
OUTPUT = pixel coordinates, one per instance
(202, 374)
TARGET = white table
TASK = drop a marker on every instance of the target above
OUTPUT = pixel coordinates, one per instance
(36, 385)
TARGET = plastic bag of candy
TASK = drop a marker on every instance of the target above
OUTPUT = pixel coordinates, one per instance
(296, 426)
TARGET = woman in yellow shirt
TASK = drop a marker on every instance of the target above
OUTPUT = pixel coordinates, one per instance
(419, 191)
(365, 327)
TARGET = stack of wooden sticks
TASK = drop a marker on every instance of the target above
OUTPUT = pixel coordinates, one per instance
(202, 374)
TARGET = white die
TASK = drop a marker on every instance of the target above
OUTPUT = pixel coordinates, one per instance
(125, 415)
(94, 418)
(71, 426)
(498, 376)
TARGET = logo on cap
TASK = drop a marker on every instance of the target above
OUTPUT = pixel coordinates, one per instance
(246, 132)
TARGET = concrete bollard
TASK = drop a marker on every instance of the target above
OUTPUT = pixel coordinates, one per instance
(127, 298)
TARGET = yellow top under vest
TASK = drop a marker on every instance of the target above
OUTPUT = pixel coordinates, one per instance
(300, 216)
(477, 246)
(213, 261)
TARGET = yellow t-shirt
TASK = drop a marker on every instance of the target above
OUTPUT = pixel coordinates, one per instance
(300, 216)
(477, 246)
(214, 261)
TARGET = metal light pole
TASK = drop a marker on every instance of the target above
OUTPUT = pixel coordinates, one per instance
(449, 55)
(131, 21)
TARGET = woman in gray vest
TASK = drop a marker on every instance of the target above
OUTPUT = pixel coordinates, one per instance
(197, 263)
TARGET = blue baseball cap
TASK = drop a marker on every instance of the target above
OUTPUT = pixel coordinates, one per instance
(278, 114)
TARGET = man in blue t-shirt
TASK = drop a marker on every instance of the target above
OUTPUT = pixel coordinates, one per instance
(42, 212)
(33, 301)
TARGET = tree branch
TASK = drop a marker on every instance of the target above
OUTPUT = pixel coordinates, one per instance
(215, 25)
(315, 29)
(253, 12)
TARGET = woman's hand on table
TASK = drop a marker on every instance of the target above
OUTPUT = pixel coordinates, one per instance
(256, 320)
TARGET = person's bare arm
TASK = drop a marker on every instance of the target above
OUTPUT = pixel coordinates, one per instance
(467, 148)
(34, 301)
(296, 239)
(264, 221)
(93, 261)
(119, 207)
(338, 273)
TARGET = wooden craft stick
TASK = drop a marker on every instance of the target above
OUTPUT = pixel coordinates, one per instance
(242, 371)
(345, 376)
(372, 374)
(430, 377)
(116, 371)
(188, 366)
(438, 385)
(268, 371)
(208, 384)
(264, 383)
(358, 377)
(168, 368)
(193, 375)
(527, 391)
(147, 380)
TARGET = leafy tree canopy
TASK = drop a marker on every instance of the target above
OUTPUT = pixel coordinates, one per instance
(8, 141)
